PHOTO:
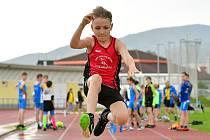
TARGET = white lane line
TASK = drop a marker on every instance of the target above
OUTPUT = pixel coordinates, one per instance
(159, 134)
(69, 126)
(113, 137)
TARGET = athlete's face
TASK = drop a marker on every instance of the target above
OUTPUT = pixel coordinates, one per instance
(40, 79)
(184, 77)
(102, 28)
(167, 84)
(24, 77)
(148, 81)
(129, 82)
(45, 80)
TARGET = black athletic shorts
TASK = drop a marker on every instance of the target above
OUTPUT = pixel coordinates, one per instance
(148, 102)
(48, 106)
(107, 96)
(168, 104)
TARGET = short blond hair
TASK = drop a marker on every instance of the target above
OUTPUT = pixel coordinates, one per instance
(99, 11)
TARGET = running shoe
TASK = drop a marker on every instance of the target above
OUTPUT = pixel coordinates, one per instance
(101, 125)
(19, 127)
(87, 124)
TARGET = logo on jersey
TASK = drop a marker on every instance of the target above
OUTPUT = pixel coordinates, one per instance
(104, 62)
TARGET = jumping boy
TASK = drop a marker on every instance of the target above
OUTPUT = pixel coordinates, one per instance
(101, 72)
(22, 100)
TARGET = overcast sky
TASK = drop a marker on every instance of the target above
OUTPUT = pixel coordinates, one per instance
(31, 26)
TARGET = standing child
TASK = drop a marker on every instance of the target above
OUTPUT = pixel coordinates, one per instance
(70, 100)
(150, 93)
(141, 106)
(44, 86)
(101, 72)
(22, 100)
(157, 99)
(38, 101)
(132, 107)
(80, 99)
(169, 92)
(48, 99)
(185, 92)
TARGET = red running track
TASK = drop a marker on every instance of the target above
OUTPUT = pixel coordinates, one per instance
(72, 132)
(11, 116)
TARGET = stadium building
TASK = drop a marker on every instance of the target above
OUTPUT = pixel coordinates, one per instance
(68, 73)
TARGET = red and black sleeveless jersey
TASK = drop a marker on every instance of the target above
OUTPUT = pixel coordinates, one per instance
(105, 62)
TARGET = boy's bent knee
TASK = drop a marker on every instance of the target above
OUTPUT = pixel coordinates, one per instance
(96, 79)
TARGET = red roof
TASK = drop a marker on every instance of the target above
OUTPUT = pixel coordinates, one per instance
(147, 62)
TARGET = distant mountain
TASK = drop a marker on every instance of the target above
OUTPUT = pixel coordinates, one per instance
(31, 59)
(148, 40)
(145, 41)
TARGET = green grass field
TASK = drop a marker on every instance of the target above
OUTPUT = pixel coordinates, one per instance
(199, 116)
(203, 100)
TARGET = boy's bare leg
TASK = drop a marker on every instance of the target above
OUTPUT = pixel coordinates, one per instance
(41, 115)
(66, 109)
(155, 113)
(37, 115)
(129, 117)
(19, 117)
(150, 116)
(142, 112)
(87, 120)
(182, 119)
(166, 111)
(186, 118)
(94, 85)
(137, 117)
(119, 113)
(22, 116)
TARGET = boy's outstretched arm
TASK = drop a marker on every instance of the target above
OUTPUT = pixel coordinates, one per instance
(78, 43)
(128, 60)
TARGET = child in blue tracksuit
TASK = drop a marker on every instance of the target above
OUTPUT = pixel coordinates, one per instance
(186, 88)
